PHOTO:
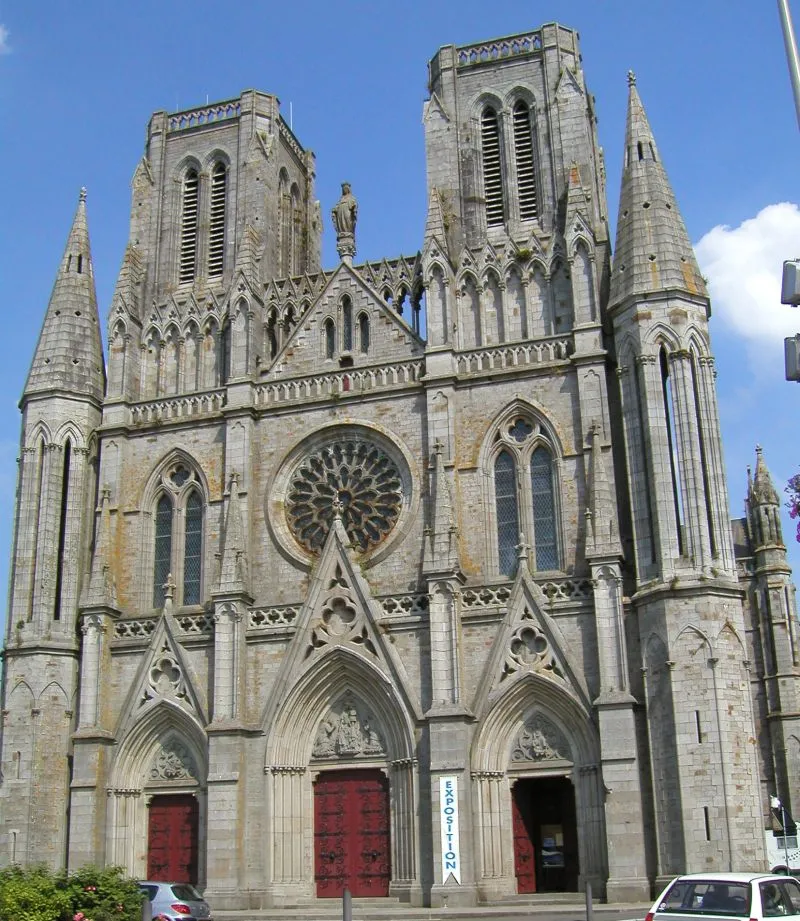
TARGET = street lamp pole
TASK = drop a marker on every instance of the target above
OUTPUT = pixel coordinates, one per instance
(792, 57)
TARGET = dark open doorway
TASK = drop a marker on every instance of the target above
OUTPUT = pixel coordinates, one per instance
(545, 835)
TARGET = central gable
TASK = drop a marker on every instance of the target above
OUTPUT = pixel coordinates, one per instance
(349, 325)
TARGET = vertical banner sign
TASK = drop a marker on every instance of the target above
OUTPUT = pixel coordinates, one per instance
(451, 845)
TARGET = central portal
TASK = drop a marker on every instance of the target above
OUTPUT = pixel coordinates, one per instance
(545, 835)
(351, 833)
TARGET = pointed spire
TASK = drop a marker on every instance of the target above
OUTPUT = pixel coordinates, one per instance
(69, 354)
(233, 566)
(761, 488)
(442, 554)
(102, 589)
(653, 252)
(601, 534)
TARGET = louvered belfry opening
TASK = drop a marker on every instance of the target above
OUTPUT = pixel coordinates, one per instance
(492, 168)
(216, 225)
(526, 170)
(189, 227)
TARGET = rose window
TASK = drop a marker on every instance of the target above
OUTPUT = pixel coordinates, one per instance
(353, 477)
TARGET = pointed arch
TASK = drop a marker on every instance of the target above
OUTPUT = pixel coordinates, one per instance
(284, 224)
(515, 307)
(175, 502)
(522, 456)
(471, 319)
(126, 818)
(188, 226)
(217, 207)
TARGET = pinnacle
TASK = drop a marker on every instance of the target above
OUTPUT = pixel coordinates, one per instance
(653, 252)
(69, 354)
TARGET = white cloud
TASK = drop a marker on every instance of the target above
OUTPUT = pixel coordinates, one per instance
(743, 266)
(5, 48)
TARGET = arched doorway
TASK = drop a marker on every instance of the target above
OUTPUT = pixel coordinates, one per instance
(545, 835)
(351, 833)
(172, 838)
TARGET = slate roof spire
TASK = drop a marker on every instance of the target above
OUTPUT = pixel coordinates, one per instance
(653, 252)
(69, 354)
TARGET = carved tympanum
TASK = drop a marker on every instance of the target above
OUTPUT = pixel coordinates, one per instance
(347, 732)
(541, 740)
(173, 761)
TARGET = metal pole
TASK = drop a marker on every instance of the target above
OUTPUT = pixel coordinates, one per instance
(785, 845)
(792, 58)
(589, 906)
(347, 906)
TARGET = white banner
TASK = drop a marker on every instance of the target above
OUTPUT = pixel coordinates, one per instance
(451, 845)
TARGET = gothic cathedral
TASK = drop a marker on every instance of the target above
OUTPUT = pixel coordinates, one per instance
(415, 577)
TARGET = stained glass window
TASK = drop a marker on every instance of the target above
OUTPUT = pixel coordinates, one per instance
(505, 491)
(544, 513)
(193, 545)
(163, 550)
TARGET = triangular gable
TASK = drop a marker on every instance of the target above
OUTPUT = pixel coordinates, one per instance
(568, 84)
(340, 614)
(529, 642)
(163, 675)
(434, 108)
(391, 337)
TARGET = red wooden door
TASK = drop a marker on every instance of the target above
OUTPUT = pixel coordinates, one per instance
(351, 834)
(172, 843)
(524, 854)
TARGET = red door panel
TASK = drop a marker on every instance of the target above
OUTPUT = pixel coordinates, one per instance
(524, 854)
(351, 834)
(172, 839)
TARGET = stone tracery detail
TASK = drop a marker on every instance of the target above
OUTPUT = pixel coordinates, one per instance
(350, 476)
(173, 761)
(347, 732)
(340, 620)
(541, 740)
(165, 677)
(530, 650)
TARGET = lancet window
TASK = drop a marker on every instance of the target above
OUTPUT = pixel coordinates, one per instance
(178, 538)
(525, 496)
(206, 195)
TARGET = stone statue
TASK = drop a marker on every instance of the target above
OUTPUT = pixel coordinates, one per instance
(345, 214)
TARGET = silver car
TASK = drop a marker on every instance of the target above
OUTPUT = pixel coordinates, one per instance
(175, 901)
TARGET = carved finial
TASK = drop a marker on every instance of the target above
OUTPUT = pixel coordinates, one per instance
(759, 450)
(438, 447)
(169, 590)
(631, 78)
(234, 481)
(338, 507)
(83, 193)
(522, 547)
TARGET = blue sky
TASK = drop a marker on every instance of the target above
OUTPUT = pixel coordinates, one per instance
(78, 83)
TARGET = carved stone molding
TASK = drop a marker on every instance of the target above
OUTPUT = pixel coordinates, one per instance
(347, 732)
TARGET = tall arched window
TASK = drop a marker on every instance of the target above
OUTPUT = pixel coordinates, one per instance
(363, 333)
(216, 222)
(330, 338)
(347, 324)
(525, 504)
(178, 537)
(544, 510)
(672, 446)
(284, 225)
(492, 167)
(505, 494)
(162, 565)
(295, 256)
(192, 550)
(189, 216)
(524, 159)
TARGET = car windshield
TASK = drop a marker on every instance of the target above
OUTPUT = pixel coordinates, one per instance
(186, 892)
(707, 897)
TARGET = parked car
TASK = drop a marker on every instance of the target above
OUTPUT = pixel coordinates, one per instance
(727, 895)
(175, 901)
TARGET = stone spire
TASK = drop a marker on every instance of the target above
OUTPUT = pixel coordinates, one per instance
(435, 226)
(101, 591)
(763, 506)
(233, 563)
(442, 552)
(601, 532)
(653, 252)
(69, 354)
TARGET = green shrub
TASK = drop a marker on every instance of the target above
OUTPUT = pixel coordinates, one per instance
(88, 894)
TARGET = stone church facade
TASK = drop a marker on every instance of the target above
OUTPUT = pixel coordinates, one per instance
(413, 576)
